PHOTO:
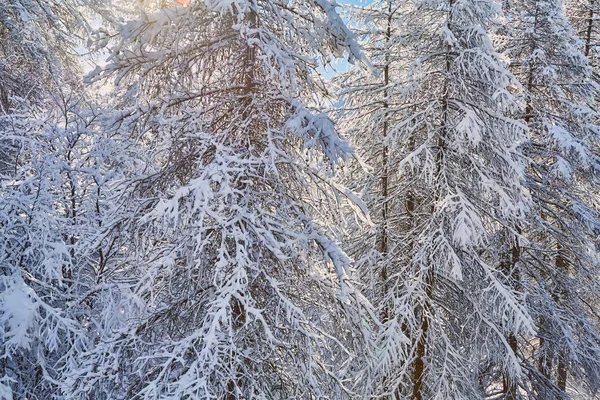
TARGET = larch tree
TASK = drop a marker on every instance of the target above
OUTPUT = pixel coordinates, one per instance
(558, 261)
(52, 208)
(584, 16)
(46, 144)
(35, 40)
(371, 111)
(445, 181)
(230, 285)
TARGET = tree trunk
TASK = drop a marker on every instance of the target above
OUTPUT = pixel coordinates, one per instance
(419, 366)
(238, 311)
(383, 241)
(561, 368)
(421, 350)
(509, 387)
(562, 373)
(588, 32)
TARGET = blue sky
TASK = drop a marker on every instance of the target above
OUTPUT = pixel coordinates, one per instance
(340, 65)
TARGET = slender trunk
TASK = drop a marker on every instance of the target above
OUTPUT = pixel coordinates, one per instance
(384, 240)
(509, 387)
(419, 366)
(421, 350)
(562, 373)
(545, 358)
(238, 311)
(528, 106)
(531, 76)
(588, 32)
(4, 104)
(545, 353)
(547, 349)
(410, 205)
(561, 368)
(72, 212)
(383, 244)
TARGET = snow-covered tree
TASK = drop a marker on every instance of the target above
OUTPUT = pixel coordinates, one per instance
(35, 42)
(370, 114)
(51, 206)
(189, 238)
(55, 170)
(230, 285)
(558, 263)
(445, 182)
(584, 16)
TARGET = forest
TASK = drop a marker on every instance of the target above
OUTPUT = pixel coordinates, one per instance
(299, 200)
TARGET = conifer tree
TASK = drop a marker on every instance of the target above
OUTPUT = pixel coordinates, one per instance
(229, 287)
(51, 207)
(583, 16)
(46, 148)
(446, 181)
(558, 266)
(371, 111)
